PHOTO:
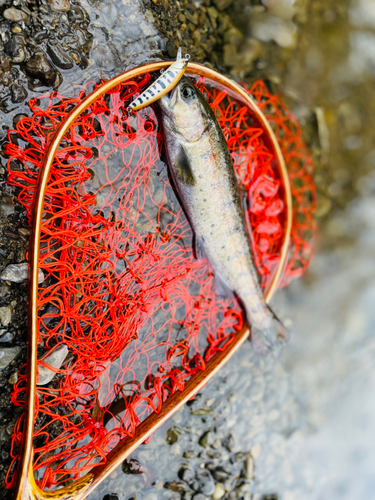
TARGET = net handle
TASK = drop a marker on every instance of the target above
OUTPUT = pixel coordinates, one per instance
(25, 487)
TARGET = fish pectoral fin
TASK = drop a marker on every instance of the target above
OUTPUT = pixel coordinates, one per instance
(183, 168)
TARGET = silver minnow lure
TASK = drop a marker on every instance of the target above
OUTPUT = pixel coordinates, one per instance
(164, 84)
(202, 171)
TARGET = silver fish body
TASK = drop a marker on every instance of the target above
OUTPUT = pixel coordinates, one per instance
(202, 171)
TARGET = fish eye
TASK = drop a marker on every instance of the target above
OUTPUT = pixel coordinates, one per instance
(188, 92)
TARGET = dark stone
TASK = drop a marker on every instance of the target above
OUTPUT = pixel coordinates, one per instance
(207, 439)
(220, 474)
(270, 496)
(111, 496)
(177, 486)
(38, 67)
(132, 466)
(186, 474)
(59, 56)
(18, 93)
(173, 434)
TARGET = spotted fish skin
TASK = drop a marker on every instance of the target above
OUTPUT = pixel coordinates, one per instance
(203, 174)
(164, 84)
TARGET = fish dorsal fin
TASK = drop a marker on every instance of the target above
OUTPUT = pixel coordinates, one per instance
(183, 168)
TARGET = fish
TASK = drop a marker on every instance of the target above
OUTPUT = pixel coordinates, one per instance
(202, 172)
(164, 84)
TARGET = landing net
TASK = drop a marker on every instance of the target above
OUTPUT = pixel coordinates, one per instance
(123, 293)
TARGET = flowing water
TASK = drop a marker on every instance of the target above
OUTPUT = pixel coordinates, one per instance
(299, 425)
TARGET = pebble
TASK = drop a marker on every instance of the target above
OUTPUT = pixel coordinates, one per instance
(186, 474)
(13, 378)
(173, 434)
(204, 483)
(132, 466)
(60, 5)
(219, 491)
(18, 91)
(178, 486)
(55, 359)
(6, 315)
(38, 67)
(15, 15)
(6, 337)
(199, 496)
(6, 206)
(220, 474)
(18, 273)
(59, 56)
(249, 467)
(207, 439)
(111, 496)
(7, 355)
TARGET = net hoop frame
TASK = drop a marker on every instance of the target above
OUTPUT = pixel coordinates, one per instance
(25, 487)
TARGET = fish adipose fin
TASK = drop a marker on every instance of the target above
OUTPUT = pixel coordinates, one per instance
(266, 339)
(183, 168)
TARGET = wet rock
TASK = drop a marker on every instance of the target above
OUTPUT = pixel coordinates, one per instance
(59, 56)
(177, 486)
(207, 439)
(132, 466)
(6, 315)
(229, 442)
(38, 67)
(249, 467)
(186, 474)
(6, 206)
(18, 273)
(55, 359)
(219, 492)
(173, 434)
(18, 93)
(7, 355)
(13, 378)
(220, 474)
(6, 336)
(204, 483)
(15, 15)
(189, 454)
(60, 5)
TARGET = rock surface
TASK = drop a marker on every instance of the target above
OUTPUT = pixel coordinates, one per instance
(7, 355)
(18, 273)
(54, 359)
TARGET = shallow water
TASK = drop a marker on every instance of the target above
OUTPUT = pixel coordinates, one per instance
(300, 425)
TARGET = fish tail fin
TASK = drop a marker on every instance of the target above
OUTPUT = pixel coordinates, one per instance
(264, 340)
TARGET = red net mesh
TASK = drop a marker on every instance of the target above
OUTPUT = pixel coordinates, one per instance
(123, 291)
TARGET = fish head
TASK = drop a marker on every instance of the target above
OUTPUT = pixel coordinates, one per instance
(185, 112)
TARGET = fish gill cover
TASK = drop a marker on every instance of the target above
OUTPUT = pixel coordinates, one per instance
(123, 291)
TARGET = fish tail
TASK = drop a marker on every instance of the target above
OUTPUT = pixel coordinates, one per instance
(264, 340)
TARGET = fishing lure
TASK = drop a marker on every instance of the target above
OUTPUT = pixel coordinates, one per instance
(164, 84)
